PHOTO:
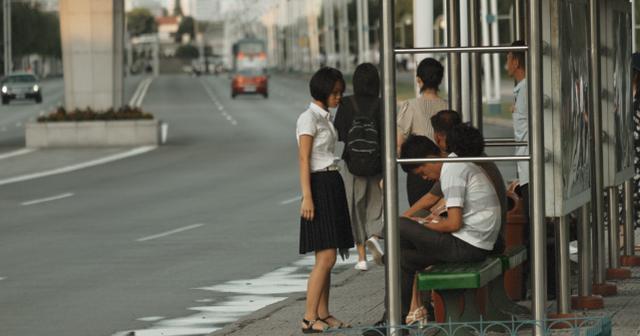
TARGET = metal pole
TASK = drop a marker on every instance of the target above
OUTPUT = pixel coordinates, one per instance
(359, 31)
(629, 241)
(517, 10)
(562, 266)
(496, 58)
(614, 231)
(536, 135)
(476, 86)
(345, 63)
(465, 80)
(453, 35)
(118, 53)
(598, 188)
(7, 37)
(584, 253)
(486, 41)
(366, 31)
(390, 170)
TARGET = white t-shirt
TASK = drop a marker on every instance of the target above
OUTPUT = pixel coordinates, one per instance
(465, 185)
(316, 122)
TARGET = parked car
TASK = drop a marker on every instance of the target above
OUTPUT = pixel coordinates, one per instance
(250, 81)
(20, 86)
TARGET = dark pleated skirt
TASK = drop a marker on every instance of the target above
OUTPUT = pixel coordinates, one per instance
(330, 227)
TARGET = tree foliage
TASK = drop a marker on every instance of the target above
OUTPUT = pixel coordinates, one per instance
(34, 31)
(187, 26)
(140, 21)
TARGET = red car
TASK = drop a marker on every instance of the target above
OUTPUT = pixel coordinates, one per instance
(250, 81)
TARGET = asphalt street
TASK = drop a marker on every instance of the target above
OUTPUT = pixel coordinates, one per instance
(134, 241)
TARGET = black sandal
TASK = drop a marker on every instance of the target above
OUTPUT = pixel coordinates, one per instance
(338, 326)
(308, 327)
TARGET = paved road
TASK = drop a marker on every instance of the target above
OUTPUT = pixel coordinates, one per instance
(138, 236)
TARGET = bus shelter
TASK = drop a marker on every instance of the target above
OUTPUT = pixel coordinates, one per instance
(578, 66)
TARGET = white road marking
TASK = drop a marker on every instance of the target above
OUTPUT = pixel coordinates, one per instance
(214, 99)
(2, 278)
(150, 318)
(247, 296)
(141, 91)
(291, 200)
(48, 199)
(92, 163)
(144, 92)
(16, 152)
(164, 234)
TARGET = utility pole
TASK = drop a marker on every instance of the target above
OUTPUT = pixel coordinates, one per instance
(329, 39)
(6, 10)
(345, 63)
(360, 31)
(365, 30)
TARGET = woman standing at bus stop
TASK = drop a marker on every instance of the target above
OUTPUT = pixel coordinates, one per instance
(325, 227)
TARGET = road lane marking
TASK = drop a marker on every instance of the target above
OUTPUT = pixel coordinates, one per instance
(48, 199)
(214, 99)
(87, 164)
(2, 278)
(291, 200)
(144, 92)
(141, 91)
(164, 234)
(16, 153)
(150, 318)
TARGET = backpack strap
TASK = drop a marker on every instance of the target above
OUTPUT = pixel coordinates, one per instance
(355, 105)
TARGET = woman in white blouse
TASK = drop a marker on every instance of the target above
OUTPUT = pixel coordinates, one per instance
(325, 227)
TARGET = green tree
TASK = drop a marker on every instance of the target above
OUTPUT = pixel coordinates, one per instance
(187, 52)
(177, 9)
(140, 21)
(187, 26)
(34, 31)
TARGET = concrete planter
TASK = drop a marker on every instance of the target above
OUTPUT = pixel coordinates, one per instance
(93, 133)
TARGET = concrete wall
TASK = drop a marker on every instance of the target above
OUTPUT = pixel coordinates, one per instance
(92, 36)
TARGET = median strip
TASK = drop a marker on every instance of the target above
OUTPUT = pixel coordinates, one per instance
(48, 199)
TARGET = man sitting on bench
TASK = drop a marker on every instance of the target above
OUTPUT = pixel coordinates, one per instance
(470, 229)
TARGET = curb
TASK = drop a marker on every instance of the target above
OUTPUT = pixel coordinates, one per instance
(338, 280)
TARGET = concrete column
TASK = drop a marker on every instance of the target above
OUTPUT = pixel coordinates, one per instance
(92, 33)
(422, 31)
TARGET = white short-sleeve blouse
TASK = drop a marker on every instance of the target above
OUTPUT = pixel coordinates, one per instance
(316, 122)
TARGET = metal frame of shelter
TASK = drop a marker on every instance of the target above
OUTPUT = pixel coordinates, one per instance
(535, 49)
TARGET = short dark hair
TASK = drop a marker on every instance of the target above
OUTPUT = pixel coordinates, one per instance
(445, 120)
(366, 81)
(417, 147)
(519, 55)
(465, 140)
(430, 71)
(323, 81)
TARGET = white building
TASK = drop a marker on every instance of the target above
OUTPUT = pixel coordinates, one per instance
(208, 10)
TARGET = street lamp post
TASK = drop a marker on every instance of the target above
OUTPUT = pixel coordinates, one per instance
(6, 10)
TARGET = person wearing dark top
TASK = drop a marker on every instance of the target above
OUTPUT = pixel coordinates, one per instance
(364, 194)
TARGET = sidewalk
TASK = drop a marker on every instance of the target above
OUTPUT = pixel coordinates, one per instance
(358, 298)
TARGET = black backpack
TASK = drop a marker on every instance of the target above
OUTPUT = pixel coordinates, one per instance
(363, 144)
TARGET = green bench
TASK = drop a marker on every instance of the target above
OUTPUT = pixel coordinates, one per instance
(460, 281)
(499, 306)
